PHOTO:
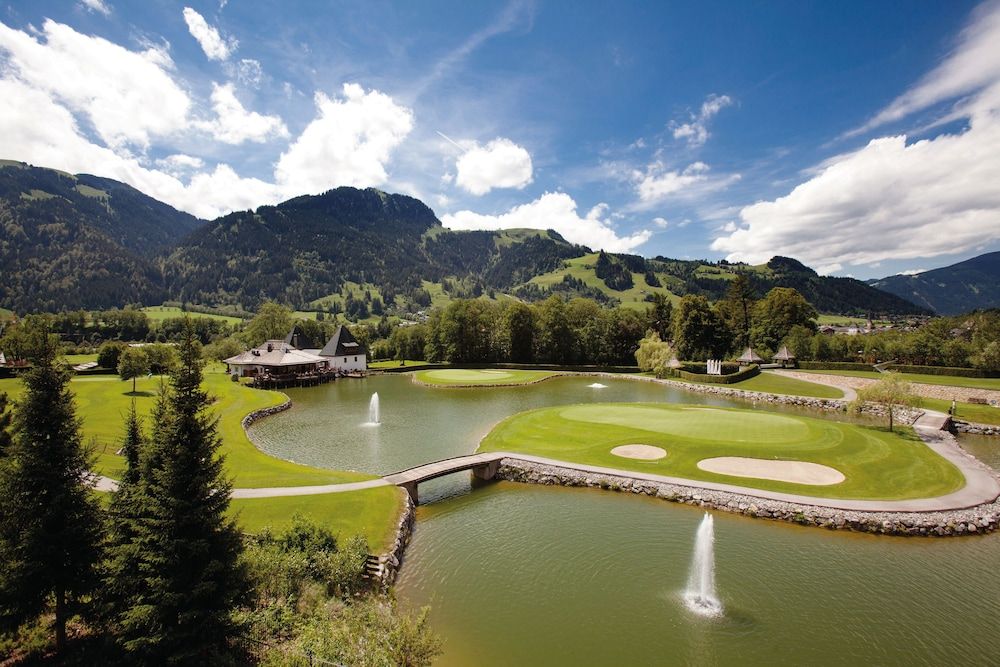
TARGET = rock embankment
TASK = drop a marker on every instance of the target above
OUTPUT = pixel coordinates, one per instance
(975, 429)
(257, 415)
(939, 391)
(392, 560)
(980, 519)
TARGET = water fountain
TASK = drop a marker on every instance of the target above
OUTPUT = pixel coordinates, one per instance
(597, 385)
(700, 593)
(374, 418)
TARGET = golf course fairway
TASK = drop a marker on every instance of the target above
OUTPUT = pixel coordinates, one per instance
(876, 464)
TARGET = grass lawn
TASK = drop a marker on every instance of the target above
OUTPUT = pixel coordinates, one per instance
(160, 313)
(371, 512)
(103, 400)
(876, 463)
(75, 359)
(779, 384)
(461, 377)
(389, 363)
(942, 380)
(969, 412)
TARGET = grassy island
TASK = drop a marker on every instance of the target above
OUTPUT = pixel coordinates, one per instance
(495, 377)
(877, 464)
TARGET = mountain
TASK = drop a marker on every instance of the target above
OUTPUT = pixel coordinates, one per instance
(88, 242)
(308, 248)
(80, 241)
(951, 290)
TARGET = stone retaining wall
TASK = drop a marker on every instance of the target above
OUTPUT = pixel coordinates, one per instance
(980, 519)
(942, 392)
(392, 560)
(975, 429)
(257, 415)
(905, 416)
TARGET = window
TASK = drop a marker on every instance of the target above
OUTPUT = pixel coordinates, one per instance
(355, 358)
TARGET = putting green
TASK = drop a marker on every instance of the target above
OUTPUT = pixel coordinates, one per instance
(878, 465)
(464, 377)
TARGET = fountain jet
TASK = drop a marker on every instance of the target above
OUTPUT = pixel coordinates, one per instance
(700, 593)
(374, 418)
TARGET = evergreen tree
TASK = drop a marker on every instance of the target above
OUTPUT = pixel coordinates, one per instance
(188, 578)
(5, 424)
(50, 523)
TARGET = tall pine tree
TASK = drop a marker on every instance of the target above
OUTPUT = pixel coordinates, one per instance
(50, 522)
(187, 579)
(5, 423)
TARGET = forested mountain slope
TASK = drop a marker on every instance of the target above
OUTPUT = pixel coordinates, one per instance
(970, 285)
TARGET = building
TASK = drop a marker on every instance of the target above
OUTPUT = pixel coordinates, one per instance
(750, 357)
(275, 358)
(344, 353)
(784, 357)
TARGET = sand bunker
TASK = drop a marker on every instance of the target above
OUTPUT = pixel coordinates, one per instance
(641, 452)
(798, 472)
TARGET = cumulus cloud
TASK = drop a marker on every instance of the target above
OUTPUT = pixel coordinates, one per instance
(695, 132)
(660, 222)
(98, 6)
(38, 129)
(234, 124)
(499, 164)
(657, 183)
(127, 96)
(180, 163)
(888, 200)
(350, 141)
(215, 46)
(892, 200)
(558, 211)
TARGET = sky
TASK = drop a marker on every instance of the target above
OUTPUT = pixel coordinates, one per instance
(862, 138)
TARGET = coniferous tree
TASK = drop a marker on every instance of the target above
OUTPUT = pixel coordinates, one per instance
(50, 523)
(5, 424)
(188, 578)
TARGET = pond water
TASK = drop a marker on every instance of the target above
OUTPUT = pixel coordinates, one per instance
(527, 575)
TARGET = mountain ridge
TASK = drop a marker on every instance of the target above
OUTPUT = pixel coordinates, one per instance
(95, 242)
(972, 284)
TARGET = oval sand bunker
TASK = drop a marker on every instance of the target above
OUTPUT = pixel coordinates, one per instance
(641, 452)
(797, 472)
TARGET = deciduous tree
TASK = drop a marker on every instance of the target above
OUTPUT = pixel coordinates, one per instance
(891, 392)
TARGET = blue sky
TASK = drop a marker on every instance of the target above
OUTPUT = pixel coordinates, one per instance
(861, 138)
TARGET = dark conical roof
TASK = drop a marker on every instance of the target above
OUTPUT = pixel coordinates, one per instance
(299, 340)
(342, 344)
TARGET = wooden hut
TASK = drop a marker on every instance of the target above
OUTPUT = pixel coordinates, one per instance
(785, 358)
(750, 357)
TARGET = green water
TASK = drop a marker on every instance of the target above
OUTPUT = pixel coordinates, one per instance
(529, 575)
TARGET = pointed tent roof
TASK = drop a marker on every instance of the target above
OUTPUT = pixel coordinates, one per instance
(299, 340)
(342, 344)
(784, 355)
(750, 357)
(274, 353)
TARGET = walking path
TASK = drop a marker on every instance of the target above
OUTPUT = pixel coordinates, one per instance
(939, 391)
(835, 381)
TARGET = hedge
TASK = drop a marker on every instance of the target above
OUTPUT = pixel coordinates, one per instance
(900, 368)
(834, 366)
(731, 378)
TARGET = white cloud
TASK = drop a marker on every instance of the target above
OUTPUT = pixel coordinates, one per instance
(180, 163)
(554, 210)
(658, 183)
(350, 142)
(660, 222)
(696, 131)
(887, 201)
(39, 130)
(211, 41)
(249, 72)
(912, 272)
(234, 124)
(499, 164)
(890, 200)
(98, 6)
(974, 64)
(127, 96)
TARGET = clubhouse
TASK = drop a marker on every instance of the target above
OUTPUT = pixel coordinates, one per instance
(300, 358)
